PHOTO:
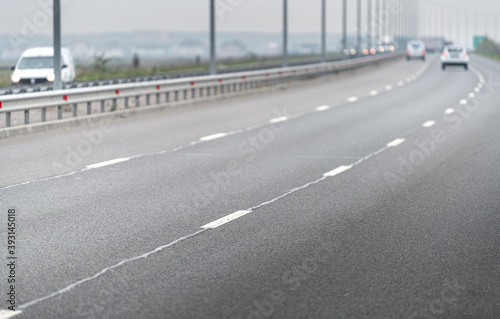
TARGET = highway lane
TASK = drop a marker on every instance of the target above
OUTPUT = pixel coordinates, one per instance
(399, 234)
(62, 151)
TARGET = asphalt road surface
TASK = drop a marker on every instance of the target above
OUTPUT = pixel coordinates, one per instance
(370, 194)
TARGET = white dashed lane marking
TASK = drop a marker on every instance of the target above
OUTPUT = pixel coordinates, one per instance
(396, 142)
(322, 108)
(337, 171)
(352, 99)
(278, 119)
(449, 111)
(107, 163)
(428, 123)
(6, 314)
(224, 220)
(213, 137)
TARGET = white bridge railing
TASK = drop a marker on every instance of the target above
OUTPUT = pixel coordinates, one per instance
(16, 109)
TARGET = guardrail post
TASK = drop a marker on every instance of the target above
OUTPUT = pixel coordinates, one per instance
(89, 108)
(75, 110)
(26, 116)
(157, 98)
(176, 96)
(126, 102)
(7, 119)
(137, 101)
(148, 99)
(185, 95)
(201, 92)
(59, 112)
(193, 93)
(103, 104)
(167, 97)
(44, 114)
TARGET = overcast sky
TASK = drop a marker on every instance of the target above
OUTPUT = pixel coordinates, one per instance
(82, 16)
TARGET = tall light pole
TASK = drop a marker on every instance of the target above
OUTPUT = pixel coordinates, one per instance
(57, 45)
(369, 31)
(358, 41)
(285, 33)
(213, 69)
(323, 31)
(379, 21)
(344, 25)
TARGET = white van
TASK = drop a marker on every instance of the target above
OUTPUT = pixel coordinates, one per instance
(36, 65)
(416, 50)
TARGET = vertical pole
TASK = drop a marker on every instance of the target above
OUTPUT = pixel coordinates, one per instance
(450, 18)
(379, 22)
(344, 25)
(401, 26)
(57, 45)
(386, 20)
(369, 21)
(466, 13)
(213, 69)
(285, 33)
(323, 31)
(358, 41)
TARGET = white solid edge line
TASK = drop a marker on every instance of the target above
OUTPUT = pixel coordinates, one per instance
(278, 119)
(322, 108)
(429, 123)
(352, 99)
(396, 142)
(337, 171)
(449, 111)
(5, 314)
(224, 220)
(373, 93)
(213, 137)
(102, 164)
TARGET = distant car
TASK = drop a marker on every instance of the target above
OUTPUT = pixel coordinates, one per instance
(454, 55)
(416, 50)
(36, 65)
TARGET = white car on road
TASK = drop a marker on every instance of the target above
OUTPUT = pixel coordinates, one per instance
(416, 50)
(454, 55)
(36, 65)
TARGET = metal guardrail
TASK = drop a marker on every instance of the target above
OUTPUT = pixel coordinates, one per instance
(166, 91)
